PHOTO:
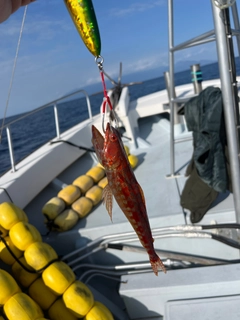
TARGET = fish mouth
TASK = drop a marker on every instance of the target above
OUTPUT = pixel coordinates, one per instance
(107, 132)
(97, 139)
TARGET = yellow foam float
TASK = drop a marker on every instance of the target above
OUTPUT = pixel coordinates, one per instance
(84, 183)
(53, 208)
(21, 306)
(58, 311)
(10, 215)
(66, 220)
(99, 312)
(5, 255)
(82, 206)
(23, 234)
(69, 194)
(41, 294)
(39, 255)
(94, 194)
(96, 173)
(102, 183)
(133, 160)
(100, 165)
(9, 287)
(24, 277)
(78, 298)
(58, 277)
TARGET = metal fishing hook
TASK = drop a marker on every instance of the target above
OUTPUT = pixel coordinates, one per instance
(103, 117)
(106, 101)
(115, 119)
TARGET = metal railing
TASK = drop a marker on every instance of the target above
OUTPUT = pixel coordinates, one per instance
(57, 127)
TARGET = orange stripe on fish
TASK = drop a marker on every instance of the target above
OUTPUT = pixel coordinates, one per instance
(123, 185)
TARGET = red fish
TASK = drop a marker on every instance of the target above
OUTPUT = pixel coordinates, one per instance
(123, 185)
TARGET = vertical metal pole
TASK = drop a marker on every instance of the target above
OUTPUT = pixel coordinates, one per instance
(228, 103)
(56, 120)
(10, 147)
(167, 81)
(236, 24)
(171, 84)
(196, 78)
(232, 69)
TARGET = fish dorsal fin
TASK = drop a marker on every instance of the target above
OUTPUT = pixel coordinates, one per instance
(107, 197)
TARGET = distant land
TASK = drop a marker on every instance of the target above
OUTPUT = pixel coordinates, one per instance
(143, 75)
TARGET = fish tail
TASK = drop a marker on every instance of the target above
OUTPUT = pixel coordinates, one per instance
(157, 264)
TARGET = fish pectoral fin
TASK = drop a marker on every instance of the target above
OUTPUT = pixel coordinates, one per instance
(107, 197)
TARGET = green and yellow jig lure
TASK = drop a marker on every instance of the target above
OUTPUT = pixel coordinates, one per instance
(84, 18)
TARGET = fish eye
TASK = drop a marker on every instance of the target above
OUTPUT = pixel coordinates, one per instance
(112, 137)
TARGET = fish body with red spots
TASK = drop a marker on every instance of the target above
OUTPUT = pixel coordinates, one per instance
(122, 184)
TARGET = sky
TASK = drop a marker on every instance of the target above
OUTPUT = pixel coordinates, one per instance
(53, 59)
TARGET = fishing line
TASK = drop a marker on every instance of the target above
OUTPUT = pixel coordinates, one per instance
(13, 72)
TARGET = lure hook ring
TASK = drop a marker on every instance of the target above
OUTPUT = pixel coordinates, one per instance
(99, 61)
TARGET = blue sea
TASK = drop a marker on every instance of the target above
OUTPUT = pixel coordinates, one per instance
(30, 133)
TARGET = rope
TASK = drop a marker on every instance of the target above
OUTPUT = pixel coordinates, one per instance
(73, 144)
(21, 264)
(5, 190)
(13, 72)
